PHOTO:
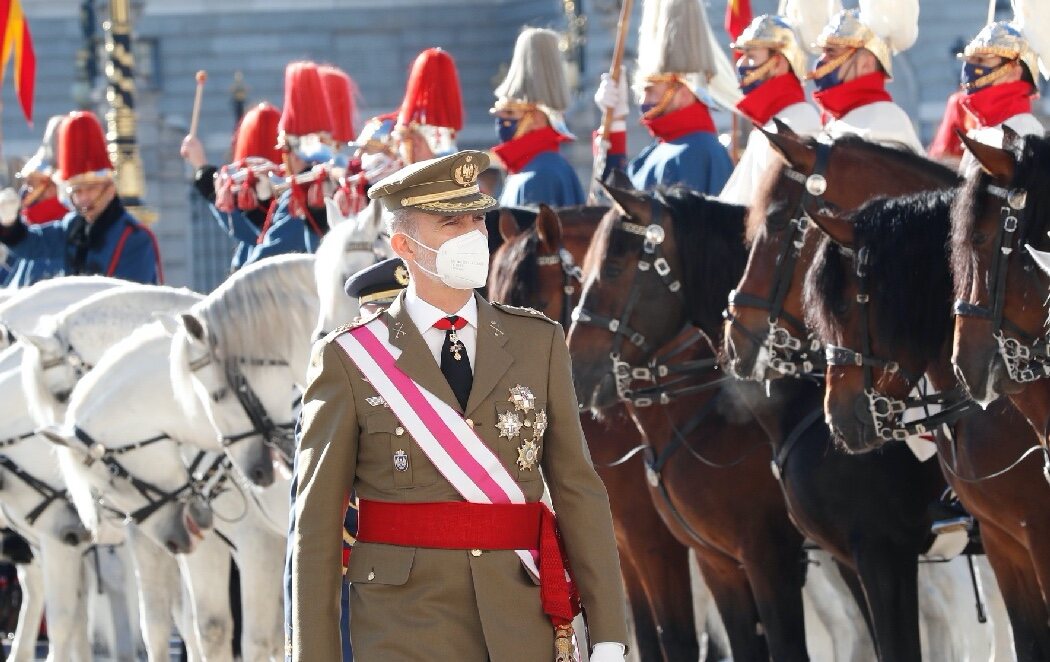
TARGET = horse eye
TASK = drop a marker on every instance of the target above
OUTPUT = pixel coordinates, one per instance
(841, 308)
(979, 238)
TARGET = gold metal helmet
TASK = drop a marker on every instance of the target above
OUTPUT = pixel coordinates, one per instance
(846, 29)
(1003, 40)
(773, 32)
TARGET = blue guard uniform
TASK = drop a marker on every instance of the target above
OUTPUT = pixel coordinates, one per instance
(529, 108)
(289, 232)
(242, 226)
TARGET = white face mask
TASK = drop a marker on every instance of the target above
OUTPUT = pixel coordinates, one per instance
(462, 262)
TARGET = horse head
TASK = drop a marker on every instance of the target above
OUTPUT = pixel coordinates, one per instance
(882, 331)
(766, 336)
(350, 246)
(1000, 343)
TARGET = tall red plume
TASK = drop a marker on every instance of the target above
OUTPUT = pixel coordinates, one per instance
(82, 147)
(340, 92)
(304, 112)
(432, 95)
(257, 134)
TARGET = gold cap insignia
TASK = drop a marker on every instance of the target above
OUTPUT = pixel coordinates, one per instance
(401, 275)
(465, 173)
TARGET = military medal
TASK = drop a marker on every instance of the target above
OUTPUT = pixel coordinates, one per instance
(528, 453)
(401, 460)
(456, 347)
(540, 424)
(509, 424)
(376, 401)
(522, 398)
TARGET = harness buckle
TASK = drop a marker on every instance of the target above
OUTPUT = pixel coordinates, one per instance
(1010, 223)
(637, 339)
(643, 266)
(642, 402)
(614, 325)
(661, 266)
(863, 298)
(642, 374)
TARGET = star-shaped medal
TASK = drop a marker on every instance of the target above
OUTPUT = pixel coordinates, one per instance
(509, 424)
(540, 424)
(528, 454)
(522, 398)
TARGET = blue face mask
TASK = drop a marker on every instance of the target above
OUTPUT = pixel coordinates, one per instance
(971, 73)
(646, 107)
(743, 71)
(506, 129)
(830, 79)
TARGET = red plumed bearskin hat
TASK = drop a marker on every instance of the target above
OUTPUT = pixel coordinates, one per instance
(257, 134)
(305, 110)
(82, 152)
(340, 91)
(432, 96)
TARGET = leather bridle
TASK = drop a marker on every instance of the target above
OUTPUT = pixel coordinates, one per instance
(1027, 358)
(572, 279)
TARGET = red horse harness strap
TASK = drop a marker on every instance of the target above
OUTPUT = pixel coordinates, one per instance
(488, 526)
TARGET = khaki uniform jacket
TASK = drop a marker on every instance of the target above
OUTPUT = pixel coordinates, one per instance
(435, 604)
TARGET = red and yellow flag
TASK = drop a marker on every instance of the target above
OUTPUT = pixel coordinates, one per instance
(738, 17)
(18, 42)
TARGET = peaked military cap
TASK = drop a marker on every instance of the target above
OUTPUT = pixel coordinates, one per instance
(447, 185)
(379, 283)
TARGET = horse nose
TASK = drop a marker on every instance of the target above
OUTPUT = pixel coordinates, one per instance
(171, 546)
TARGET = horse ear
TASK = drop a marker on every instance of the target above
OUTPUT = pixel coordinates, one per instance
(508, 225)
(42, 343)
(839, 229)
(998, 163)
(168, 321)
(548, 228)
(630, 202)
(55, 435)
(193, 326)
(1042, 258)
(786, 142)
(619, 179)
(334, 214)
(1011, 139)
(784, 130)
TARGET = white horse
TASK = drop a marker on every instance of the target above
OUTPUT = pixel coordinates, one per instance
(351, 245)
(239, 353)
(64, 346)
(138, 368)
(21, 312)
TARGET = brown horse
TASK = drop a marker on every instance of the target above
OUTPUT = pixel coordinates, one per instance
(869, 511)
(535, 267)
(749, 552)
(884, 332)
(766, 336)
(1000, 339)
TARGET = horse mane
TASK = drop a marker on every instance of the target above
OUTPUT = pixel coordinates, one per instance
(901, 159)
(909, 282)
(709, 235)
(515, 271)
(266, 297)
(1032, 174)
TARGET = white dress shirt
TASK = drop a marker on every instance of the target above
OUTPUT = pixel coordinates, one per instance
(424, 315)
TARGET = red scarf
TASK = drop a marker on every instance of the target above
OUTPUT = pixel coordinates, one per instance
(516, 154)
(42, 211)
(771, 97)
(677, 123)
(994, 104)
(838, 100)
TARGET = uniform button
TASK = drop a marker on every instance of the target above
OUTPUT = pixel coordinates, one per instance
(399, 430)
(470, 424)
(371, 575)
(475, 552)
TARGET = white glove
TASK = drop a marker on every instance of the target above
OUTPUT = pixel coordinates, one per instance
(608, 651)
(613, 96)
(10, 203)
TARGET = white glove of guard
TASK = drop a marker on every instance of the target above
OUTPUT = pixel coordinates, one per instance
(608, 652)
(10, 203)
(613, 96)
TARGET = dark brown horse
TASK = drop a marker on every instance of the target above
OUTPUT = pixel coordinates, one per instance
(749, 552)
(535, 267)
(880, 295)
(868, 511)
(1000, 336)
(766, 336)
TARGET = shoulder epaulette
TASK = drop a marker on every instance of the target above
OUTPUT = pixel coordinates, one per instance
(521, 311)
(350, 326)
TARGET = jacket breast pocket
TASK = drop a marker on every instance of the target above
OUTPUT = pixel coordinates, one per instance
(406, 462)
(374, 563)
(521, 439)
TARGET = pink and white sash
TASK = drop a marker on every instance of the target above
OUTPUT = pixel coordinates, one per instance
(440, 431)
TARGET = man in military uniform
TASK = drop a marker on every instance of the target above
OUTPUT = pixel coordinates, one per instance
(770, 66)
(851, 73)
(450, 516)
(100, 237)
(674, 65)
(999, 74)
(530, 103)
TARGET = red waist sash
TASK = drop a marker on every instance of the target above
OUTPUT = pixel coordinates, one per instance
(461, 525)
